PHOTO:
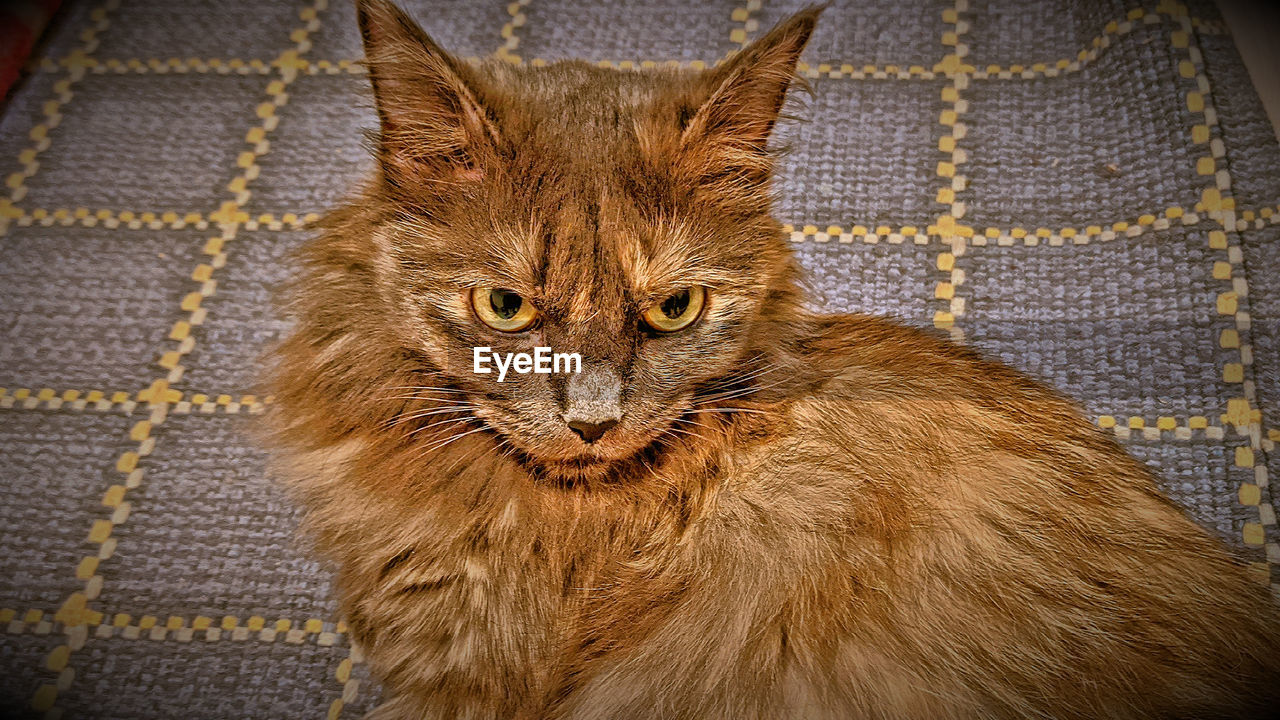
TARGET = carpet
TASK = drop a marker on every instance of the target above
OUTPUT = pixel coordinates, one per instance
(1086, 189)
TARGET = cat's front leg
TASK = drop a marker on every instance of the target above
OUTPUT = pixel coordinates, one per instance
(403, 707)
(413, 707)
(440, 632)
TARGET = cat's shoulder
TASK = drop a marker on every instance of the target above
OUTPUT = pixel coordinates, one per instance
(900, 417)
(846, 344)
(886, 395)
(867, 359)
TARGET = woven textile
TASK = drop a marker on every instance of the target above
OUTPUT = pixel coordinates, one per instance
(1087, 190)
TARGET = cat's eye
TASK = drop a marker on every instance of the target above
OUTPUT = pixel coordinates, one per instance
(678, 311)
(502, 309)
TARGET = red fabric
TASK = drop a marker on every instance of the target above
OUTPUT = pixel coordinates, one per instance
(20, 26)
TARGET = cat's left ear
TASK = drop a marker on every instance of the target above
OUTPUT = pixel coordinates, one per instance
(433, 123)
(747, 92)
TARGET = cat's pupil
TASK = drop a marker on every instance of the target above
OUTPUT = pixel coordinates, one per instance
(674, 306)
(505, 303)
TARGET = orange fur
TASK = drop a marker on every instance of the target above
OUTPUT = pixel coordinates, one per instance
(798, 516)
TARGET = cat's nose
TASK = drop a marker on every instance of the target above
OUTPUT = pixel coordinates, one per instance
(593, 402)
(591, 431)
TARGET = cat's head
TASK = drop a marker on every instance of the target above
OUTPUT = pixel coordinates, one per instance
(622, 216)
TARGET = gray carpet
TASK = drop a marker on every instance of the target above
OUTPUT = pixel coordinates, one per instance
(1083, 189)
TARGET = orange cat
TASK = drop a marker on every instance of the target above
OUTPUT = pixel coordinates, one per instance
(736, 509)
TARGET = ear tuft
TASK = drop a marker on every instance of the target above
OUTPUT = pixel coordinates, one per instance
(747, 93)
(432, 122)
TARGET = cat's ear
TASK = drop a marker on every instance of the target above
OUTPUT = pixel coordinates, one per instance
(747, 92)
(432, 123)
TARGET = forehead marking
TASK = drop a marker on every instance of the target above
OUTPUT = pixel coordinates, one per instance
(582, 306)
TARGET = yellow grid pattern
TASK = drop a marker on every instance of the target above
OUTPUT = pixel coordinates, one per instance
(950, 170)
(74, 616)
(201, 628)
(1242, 411)
(145, 219)
(78, 622)
(744, 27)
(127, 403)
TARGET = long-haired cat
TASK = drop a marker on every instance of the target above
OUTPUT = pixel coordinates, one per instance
(737, 508)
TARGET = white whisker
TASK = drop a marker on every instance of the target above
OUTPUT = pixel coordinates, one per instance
(440, 424)
(451, 440)
(406, 418)
(420, 397)
(732, 410)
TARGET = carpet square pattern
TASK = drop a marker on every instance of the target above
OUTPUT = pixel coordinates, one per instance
(1088, 190)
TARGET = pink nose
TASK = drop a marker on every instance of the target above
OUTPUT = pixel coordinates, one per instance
(591, 431)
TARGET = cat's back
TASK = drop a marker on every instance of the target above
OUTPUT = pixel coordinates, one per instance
(940, 451)
(936, 510)
(892, 409)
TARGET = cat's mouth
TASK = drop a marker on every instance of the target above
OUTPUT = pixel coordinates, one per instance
(580, 469)
(593, 461)
(562, 455)
(572, 462)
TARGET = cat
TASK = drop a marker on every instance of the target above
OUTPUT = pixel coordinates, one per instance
(737, 508)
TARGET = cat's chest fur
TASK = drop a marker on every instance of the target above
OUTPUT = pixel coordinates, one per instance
(533, 592)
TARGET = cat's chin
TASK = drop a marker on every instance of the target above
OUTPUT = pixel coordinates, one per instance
(580, 469)
(577, 471)
(612, 461)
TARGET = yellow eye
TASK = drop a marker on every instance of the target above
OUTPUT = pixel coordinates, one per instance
(678, 311)
(502, 309)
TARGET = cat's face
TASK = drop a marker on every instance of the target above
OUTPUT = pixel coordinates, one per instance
(622, 217)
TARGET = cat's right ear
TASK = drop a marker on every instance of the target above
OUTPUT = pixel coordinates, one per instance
(743, 97)
(433, 126)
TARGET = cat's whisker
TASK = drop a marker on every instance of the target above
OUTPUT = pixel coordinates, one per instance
(423, 387)
(684, 419)
(424, 452)
(732, 410)
(404, 419)
(734, 392)
(439, 404)
(437, 424)
(735, 383)
(757, 372)
(508, 448)
(432, 390)
(452, 440)
(416, 396)
(444, 423)
(724, 397)
(448, 406)
(742, 392)
(744, 395)
(440, 424)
